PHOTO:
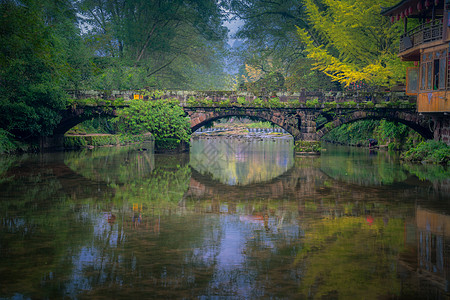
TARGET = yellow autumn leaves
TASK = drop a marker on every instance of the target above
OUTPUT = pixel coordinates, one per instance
(351, 42)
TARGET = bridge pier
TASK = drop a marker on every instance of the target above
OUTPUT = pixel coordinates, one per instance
(442, 128)
(307, 127)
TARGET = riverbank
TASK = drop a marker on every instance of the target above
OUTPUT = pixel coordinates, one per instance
(92, 140)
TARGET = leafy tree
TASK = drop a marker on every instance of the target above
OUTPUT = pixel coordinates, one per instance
(352, 42)
(271, 43)
(155, 43)
(35, 36)
(163, 118)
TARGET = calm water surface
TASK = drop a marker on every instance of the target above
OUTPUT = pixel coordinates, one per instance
(233, 219)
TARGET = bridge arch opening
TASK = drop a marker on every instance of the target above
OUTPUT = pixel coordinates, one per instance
(253, 124)
(325, 122)
(93, 125)
(357, 131)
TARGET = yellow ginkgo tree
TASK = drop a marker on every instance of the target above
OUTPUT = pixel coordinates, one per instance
(353, 42)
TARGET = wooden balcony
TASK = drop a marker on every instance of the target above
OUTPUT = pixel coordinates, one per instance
(422, 34)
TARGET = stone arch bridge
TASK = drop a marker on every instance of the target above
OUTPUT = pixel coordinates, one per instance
(299, 122)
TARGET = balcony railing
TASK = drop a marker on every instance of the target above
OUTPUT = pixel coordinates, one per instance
(422, 34)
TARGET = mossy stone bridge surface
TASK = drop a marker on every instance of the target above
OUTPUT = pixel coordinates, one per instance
(298, 119)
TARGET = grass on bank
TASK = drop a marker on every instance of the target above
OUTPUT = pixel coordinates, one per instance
(430, 152)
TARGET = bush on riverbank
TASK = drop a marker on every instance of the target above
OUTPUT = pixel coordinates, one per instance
(429, 151)
(165, 119)
(6, 143)
(307, 147)
(9, 145)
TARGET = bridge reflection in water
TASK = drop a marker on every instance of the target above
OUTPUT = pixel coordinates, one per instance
(118, 222)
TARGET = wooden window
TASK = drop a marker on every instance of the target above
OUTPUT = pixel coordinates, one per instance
(412, 81)
(434, 70)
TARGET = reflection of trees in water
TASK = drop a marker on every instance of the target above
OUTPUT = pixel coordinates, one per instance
(172, 232)
(376, 168)
(113, 165)
(361, 167)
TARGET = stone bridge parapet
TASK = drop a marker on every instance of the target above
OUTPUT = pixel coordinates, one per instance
(217, 96)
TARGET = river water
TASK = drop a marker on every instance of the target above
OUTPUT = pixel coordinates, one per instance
(233, 219)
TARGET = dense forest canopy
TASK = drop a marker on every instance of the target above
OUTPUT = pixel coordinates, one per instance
(48, 47)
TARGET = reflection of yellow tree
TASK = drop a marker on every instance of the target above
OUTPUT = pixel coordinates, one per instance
(349, 257)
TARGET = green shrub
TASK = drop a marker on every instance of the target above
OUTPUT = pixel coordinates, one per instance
(258, 102)
(225, 103)
(275, 103)
(293, 103)
(162, 118)
(312, 103)
(241, 101)
(307, 146)
(350, 104)
(369, 104)
(6, 142)
(166, 144)
(331, 105)
(192, 101)
(329, 125)
(429, 151)
(260, 125)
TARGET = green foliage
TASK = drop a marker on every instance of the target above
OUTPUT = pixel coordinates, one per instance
(392, 132)
(7, 143)
(163, 118)
(429, 151)
(260, 124)
(330, 105)
(312, 103)
(369, 104)
(349, 104)
(82, 141)
(95, 125)
(166, 144)
(271, 82)
(429, 172)
(32, 68)
(307, 146)
(395, 135)
(321, 120)
(274, 102)
(198, 102)
(329, 125)
(241, 101)
(258, 102)
(273, 23)
(225, 103)
(155, 43)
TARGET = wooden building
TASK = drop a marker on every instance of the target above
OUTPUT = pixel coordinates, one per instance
(426, 41)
